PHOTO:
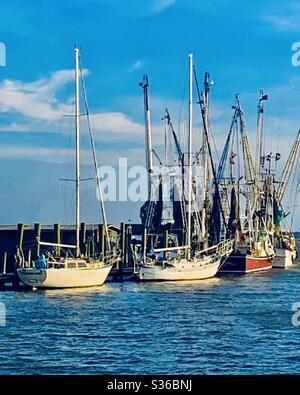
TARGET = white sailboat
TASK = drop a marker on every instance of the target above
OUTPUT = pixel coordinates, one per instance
(66, 271)
(180, 263)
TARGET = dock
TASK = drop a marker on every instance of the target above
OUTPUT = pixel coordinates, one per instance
(20, 241)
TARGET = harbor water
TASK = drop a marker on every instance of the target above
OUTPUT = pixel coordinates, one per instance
(226, 325)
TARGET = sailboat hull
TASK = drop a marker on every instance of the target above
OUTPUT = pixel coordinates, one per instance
(184, 271)
(246, 264)
(63, 278)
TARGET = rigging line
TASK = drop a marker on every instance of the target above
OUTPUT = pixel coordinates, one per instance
(295, 205)
(214, 142)
(94, 158)
(295, 188)
(210, 154)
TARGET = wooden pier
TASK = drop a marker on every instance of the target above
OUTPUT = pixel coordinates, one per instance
(20, 242)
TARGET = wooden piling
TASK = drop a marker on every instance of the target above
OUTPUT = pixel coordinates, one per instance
(102, 240)
(4, 261)
(37, 233)
(83, 248)
(166, 239)
(144, 244)
(20, 237)
(122, 263)
(29, 258)
(57, 235)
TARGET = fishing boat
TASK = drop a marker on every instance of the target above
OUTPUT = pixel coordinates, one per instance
(187, 261)
(72, 269)
(284, 241)
(285, 250)
(253, 249)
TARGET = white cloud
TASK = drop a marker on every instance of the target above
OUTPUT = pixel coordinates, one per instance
(285, 18)
(115, 122)
(36, 100)
(53, 155)
(160, 5)
(35, 106)
(137, 65)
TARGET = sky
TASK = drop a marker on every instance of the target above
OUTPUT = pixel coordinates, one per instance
(245, 46)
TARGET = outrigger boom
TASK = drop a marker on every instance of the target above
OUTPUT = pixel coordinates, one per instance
(46, 243)
(171, 249)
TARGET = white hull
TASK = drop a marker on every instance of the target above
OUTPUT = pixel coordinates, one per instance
(283, 258)
(64, 278)
(181, 271)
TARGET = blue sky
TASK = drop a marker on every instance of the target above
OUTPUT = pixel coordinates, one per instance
(244, 45)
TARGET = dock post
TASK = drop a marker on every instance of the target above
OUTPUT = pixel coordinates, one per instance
(166, 241)
(102, 241)
(129, 252)
(83, 248)
(57, 235)
(29, 258)
(92, 247)
(37, 232)
(20, 236)
(123, 250)
(144, 245)
(4, 261)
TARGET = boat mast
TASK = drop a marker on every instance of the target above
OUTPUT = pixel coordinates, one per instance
(205, 154)
(167, 121)
(148, 137)
(249, 169)
(77, 137)
(190, 130)
(287, 171)
(259, 139)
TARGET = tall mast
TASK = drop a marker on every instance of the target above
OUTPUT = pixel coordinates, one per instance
(287, 171)
(148, 137)
(259, 133)
(77, 136)
(249, 169)
(167, 121)
(190, 131)
(205, 153)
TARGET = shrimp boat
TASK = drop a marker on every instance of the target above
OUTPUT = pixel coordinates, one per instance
(180, 262)
(286, 255)
(253, 248)
(72, 270)
(284, 241)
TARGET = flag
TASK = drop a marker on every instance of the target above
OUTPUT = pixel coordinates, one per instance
(232, 158)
